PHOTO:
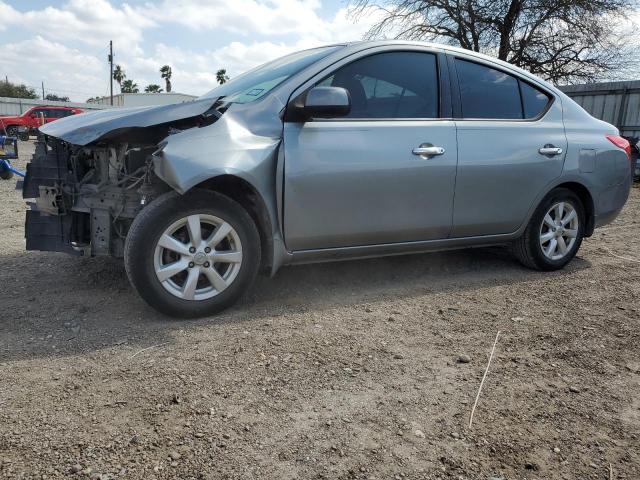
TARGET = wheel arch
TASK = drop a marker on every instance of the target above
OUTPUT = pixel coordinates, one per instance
(243, 192)
(586, 198)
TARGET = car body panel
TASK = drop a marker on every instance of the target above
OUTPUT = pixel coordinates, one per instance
(94, 126)
(357, 183)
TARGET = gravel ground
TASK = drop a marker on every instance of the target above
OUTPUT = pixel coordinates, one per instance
(365, 369)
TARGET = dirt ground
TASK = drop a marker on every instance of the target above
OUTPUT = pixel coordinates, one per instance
(336, 371)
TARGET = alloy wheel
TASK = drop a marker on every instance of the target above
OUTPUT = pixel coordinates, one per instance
(198, 257)
(559, 230)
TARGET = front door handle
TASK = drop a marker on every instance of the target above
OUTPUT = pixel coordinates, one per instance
(550, 150)
(428, 150)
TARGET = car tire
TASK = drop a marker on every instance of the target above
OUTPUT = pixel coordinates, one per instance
(12, 131)
(213, 280)
(6, 174)
(550, 243)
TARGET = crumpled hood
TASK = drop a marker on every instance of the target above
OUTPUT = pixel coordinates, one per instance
(90, 127)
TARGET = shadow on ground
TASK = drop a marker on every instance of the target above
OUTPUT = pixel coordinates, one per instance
(54, 304)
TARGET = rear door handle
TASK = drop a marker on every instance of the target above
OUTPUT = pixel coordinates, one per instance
(550, 150)
(428, 150)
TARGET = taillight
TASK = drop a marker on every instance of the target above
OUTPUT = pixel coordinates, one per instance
(622, 143)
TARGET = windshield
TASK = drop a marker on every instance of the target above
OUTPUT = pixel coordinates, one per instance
(259, 81)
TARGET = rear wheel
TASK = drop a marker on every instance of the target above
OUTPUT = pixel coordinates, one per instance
(554, 233)
(193, 255)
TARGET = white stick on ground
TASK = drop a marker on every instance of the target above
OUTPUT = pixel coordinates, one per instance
(628, 259)
(475, 404)
(145, 349)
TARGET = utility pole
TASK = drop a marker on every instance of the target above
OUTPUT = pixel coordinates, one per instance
(43, 90)
(111, 69)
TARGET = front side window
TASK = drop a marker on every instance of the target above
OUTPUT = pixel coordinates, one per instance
(489, 93)
(390, 85)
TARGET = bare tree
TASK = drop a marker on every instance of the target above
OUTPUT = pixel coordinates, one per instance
(560, 40)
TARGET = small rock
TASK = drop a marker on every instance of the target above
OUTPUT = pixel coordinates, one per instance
(573, 389)
(76, 468)
(455, 435)
(199, 435)
(532, 466)
(391, 319)
(175, 456)
(464, 358)
(398, 356)
(556, 450)
(419, 434)
(226, 436)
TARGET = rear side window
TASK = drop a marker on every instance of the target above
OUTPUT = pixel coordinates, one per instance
(489, 93)
(390, 85)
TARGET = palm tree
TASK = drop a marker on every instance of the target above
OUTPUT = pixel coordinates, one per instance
(221, 76)
(119, 75)
(153, 88)
(165, 72)
(128, 86)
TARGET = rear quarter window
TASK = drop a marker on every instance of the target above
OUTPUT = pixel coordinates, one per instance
(534, 101)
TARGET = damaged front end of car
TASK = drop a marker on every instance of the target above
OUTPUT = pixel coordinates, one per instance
(90, 176)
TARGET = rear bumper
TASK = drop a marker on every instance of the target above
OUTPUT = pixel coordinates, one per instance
(611, 201)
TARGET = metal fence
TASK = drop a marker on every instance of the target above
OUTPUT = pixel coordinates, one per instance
(617, 103)
(17, 106)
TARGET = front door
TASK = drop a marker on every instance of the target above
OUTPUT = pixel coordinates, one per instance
(363, 179)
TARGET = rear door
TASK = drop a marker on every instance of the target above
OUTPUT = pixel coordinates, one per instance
(360, 180)
(511, 145)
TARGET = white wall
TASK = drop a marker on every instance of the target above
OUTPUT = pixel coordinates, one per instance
(144, 99)
(17, 106)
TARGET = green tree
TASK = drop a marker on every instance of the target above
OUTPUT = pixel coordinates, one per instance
(153, 88)
(221, 76)
(166, 73)
(56, 98)
(119, 75)
(129, 86)
(13, 90)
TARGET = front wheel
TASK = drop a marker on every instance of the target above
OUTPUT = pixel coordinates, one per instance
(193, 255)
(554, 233)
(12, 131)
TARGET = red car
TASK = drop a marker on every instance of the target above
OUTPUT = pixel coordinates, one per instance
(34, 118)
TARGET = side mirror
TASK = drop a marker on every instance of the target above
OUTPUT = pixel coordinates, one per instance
(327, 102)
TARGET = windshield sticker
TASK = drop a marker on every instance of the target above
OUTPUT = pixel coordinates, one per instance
(255, 92)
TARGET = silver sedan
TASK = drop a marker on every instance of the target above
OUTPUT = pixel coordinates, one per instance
(344, 151)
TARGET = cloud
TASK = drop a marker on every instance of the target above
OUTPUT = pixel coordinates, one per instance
(64, 70)
(90, 22)
(67, 47)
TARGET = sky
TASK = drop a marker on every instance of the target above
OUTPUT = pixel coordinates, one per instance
(65, 43)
